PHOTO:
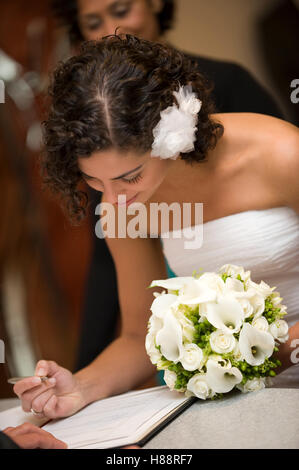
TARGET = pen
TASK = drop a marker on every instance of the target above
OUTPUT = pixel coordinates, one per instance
(14, 380)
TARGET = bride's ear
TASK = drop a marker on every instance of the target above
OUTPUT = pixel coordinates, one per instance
(157, 6)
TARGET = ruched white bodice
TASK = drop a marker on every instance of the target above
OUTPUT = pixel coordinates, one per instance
(266, 242)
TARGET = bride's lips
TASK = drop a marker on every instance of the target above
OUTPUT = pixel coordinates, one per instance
(128, 201)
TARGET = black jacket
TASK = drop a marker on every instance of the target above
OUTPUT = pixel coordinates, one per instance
(6, 442)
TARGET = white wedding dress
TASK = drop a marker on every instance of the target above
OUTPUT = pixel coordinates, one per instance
(266, 242)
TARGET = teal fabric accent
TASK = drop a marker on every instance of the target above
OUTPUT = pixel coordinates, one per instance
(160, 378)
(160, 374)
(170, 273)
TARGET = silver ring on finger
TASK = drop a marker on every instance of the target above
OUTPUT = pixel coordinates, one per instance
(36, 413)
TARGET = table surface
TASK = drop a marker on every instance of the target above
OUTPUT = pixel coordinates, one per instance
(268, 419)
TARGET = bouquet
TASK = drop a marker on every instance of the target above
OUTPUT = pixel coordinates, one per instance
(213, 332)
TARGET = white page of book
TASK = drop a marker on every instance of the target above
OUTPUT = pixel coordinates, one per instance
(118, 420)
(16, 416)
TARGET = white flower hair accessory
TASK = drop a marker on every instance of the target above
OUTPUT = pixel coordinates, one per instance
(175, 132)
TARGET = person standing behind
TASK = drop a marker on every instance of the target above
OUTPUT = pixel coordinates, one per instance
(234, 89)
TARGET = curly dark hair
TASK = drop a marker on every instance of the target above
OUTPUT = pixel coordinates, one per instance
(111, 95)
(66, 11)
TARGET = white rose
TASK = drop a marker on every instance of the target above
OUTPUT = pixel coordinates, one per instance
(247, 307)
(192, 357)
(222, 343)
(252, 385)
(234, 271)
(279, 330)
(261, 324)
(258, 303)
(170, 378)
(151, 349)
(199, 387)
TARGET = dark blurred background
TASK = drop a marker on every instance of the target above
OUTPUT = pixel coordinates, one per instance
(43, 259)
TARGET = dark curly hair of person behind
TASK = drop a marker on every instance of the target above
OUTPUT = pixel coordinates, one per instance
(66, 11)
(111, 95)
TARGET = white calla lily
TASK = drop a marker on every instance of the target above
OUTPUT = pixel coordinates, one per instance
(222, 379)
(170, 338)
(162, 303)
(173, 283)
(234, 286)
(226, 315)
(154, 324)
(255, 345)
(212, 281)
(196, 292)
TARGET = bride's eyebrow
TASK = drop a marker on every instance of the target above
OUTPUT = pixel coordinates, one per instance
(117, 177)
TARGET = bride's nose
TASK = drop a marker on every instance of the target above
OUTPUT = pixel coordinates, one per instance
(111, 193)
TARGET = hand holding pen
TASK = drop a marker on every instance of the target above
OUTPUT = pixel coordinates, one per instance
(53, 391)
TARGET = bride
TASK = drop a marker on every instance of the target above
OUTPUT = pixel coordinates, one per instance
(134, 118)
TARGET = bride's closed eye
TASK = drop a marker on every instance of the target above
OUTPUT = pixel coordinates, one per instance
(135, 179)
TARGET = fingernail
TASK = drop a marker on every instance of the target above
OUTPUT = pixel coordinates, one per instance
(52, 380)
(36, 380)
(41, 372)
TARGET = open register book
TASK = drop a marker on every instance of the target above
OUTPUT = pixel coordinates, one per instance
(130, 418)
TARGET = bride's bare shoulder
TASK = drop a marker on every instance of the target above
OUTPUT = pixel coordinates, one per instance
(262, 125)
(259, 133)
(269, 146)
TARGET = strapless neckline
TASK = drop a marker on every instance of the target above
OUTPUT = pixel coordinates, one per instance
(235, 215)
(278, 208)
